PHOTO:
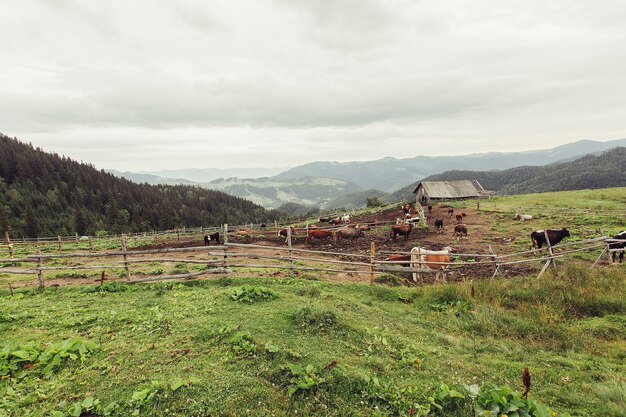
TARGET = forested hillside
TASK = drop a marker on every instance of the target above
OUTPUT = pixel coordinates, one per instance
(43, 194)
(588, 172)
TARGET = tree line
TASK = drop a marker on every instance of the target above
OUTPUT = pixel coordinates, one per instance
(44, 194)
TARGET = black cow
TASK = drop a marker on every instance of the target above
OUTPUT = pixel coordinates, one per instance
(213, 236)
(439, 225)
(618, 245)
(262, 226)
(460, 230)
(538, 237)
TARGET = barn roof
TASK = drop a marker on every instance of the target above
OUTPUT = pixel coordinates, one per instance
(449, 189)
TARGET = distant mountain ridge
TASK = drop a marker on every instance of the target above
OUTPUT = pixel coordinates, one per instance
(149, 178)
(392, 173)
(210, 174)
(294, 186)
(588, 172)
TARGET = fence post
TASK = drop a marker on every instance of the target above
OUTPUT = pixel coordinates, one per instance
(59, 243)
(276, 226)
(39, 271)
(90, 244)
(290, 254)
(8, 242)
(177, 234)
(495, 262)
(372, 253)
(125, 256)
(225, 248)
(605, 250)
(551, 253)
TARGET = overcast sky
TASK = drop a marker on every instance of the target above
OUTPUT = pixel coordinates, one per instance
(147, 85)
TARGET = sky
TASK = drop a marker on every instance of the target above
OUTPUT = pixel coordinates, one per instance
(145, 85)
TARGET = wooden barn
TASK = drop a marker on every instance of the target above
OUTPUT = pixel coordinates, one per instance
(448, 190)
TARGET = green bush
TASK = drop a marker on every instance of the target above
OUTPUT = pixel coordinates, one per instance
(250, 294)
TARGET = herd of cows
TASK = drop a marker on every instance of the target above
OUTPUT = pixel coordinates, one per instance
(421, 257)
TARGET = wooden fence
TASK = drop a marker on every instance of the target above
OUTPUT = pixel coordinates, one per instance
(223, 259)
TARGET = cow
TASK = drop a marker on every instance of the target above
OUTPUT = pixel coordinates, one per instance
(335, 221)
(213, 236)
(618, 245)
(283, 232)
(439, 225)
(460, 230)
(538, 237)
(459, 217)
(345, 219)
(319, 234)
(412, 220)
(523, 217)
(403, 230)
(262, 226)
(430, 209)
(403, 260)
(349, 233)
(450, 212)
(359, 226)
(428, 259)
(325, 219)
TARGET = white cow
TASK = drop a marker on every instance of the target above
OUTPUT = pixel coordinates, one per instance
(523, 217)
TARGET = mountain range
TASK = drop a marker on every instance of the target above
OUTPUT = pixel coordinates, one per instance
(392, 173)
(328, 185)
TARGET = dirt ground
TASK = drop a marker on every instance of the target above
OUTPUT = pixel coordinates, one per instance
(481, 235)
(483, 232)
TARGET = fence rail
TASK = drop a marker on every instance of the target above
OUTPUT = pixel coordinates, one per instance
(223, 259)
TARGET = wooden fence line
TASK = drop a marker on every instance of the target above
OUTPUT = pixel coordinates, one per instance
(371, 267)
(297, 250)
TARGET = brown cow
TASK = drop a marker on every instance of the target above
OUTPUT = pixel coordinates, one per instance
(403, 230)
(319, 234)
(283, 232)
(459, 217)
(450, 212)
(349, 233)
(460, 230)
(438, 260)
(405, 259)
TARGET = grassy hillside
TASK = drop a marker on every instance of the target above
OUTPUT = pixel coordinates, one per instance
(318, 348)
(588, 172)
(267, 344)
(272, 193)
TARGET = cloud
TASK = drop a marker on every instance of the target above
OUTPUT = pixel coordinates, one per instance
(278, 77)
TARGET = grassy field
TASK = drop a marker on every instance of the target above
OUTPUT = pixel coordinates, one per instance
(265, 346)
(260, 347)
